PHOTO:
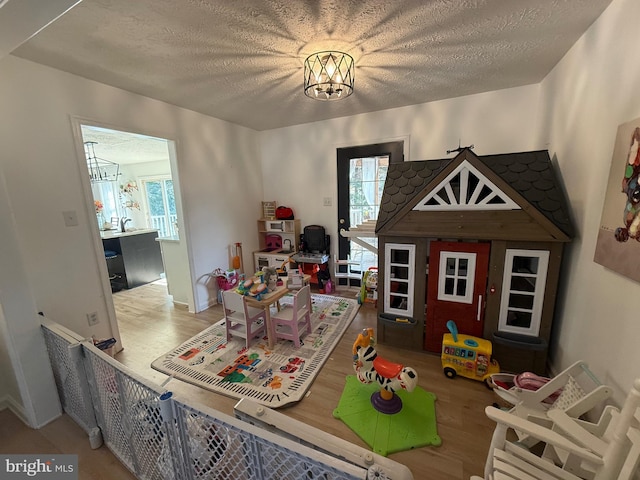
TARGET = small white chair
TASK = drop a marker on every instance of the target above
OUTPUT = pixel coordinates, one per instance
(291, 321)
(240, 319)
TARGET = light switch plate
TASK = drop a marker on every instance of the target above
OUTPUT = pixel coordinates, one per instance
(92, 318)
(70, 218)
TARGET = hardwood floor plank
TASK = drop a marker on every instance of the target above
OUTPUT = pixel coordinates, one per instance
(62, 436)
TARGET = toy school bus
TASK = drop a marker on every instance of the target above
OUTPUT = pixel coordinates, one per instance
(467, 356)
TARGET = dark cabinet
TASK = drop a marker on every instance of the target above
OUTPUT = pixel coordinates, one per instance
(139, 259)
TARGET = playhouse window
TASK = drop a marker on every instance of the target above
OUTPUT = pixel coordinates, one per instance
(525, 275)
(456, 280)
(399, 280)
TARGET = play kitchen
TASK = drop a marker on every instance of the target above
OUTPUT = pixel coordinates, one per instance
(277, 241)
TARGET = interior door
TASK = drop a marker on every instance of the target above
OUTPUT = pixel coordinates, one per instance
(361, 174)
(456, 290)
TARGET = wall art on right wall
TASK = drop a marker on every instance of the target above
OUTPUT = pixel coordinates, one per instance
(618, 245)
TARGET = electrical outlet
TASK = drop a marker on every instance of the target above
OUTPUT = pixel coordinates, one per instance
(327, 201)
(92, 318)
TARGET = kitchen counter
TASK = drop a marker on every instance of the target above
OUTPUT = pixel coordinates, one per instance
(134, 257)
(117, 233)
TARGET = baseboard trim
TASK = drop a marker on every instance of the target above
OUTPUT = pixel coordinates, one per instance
(207, 305)
(9, 402)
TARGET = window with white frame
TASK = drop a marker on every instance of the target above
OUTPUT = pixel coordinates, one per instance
(524, 281)
(399, 278)
(107, 194)
(457, 276)
(161, 205)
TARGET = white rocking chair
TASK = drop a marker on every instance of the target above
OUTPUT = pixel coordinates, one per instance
(575, 391)
(567, 450)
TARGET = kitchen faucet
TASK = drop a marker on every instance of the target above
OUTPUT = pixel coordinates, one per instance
(123, 222)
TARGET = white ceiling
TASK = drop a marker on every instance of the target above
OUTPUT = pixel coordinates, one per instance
(242, 60)
(124, 147)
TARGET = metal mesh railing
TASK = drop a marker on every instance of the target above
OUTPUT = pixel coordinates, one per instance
(159, 437)
(129, 415)
(65, 355)
(218, 446)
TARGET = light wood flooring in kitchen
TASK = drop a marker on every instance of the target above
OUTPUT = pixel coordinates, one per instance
(151, 325)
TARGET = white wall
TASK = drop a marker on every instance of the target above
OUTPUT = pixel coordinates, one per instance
(28, 386)
(299, 162)
(584, 99)
(19, 20)
(220, 177)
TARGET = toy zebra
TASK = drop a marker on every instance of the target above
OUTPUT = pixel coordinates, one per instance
(392, 377)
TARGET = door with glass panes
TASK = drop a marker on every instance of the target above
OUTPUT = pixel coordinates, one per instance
(456, 290)
(361, 173)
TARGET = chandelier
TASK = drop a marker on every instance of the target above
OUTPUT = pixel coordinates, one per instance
(328, 75)
(100, 170)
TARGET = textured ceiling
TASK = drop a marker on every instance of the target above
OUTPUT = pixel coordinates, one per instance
(242, 60)
(124, 147)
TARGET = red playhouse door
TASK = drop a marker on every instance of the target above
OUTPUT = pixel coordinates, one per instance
(456, 290)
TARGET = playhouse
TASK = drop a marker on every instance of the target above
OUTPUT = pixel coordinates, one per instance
(477, 240)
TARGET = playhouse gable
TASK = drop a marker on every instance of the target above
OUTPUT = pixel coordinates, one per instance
(466, 188)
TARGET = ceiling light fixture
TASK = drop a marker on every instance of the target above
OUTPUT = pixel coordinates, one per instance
(100, 170)
(328, 75)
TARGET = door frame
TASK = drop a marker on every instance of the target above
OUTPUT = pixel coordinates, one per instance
(85, 185)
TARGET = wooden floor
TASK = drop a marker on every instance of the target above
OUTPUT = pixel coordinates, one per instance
(150, 325)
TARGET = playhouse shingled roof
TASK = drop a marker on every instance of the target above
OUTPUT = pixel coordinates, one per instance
(530, 174)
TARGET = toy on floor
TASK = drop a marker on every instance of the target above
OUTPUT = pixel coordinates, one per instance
(506, 386)
(390, 376)
(226, 280)
(467, 356)
(324, 279)
(369, 288)
(524, 381)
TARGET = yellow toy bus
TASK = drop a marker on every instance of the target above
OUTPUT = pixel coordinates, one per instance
(467, 356)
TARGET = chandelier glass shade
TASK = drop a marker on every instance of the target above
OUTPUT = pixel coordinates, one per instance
(328, 75)
(100, 170)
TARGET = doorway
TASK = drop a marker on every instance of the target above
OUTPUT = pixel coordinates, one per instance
(132, 184)
(455, 289)
(362, 171)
